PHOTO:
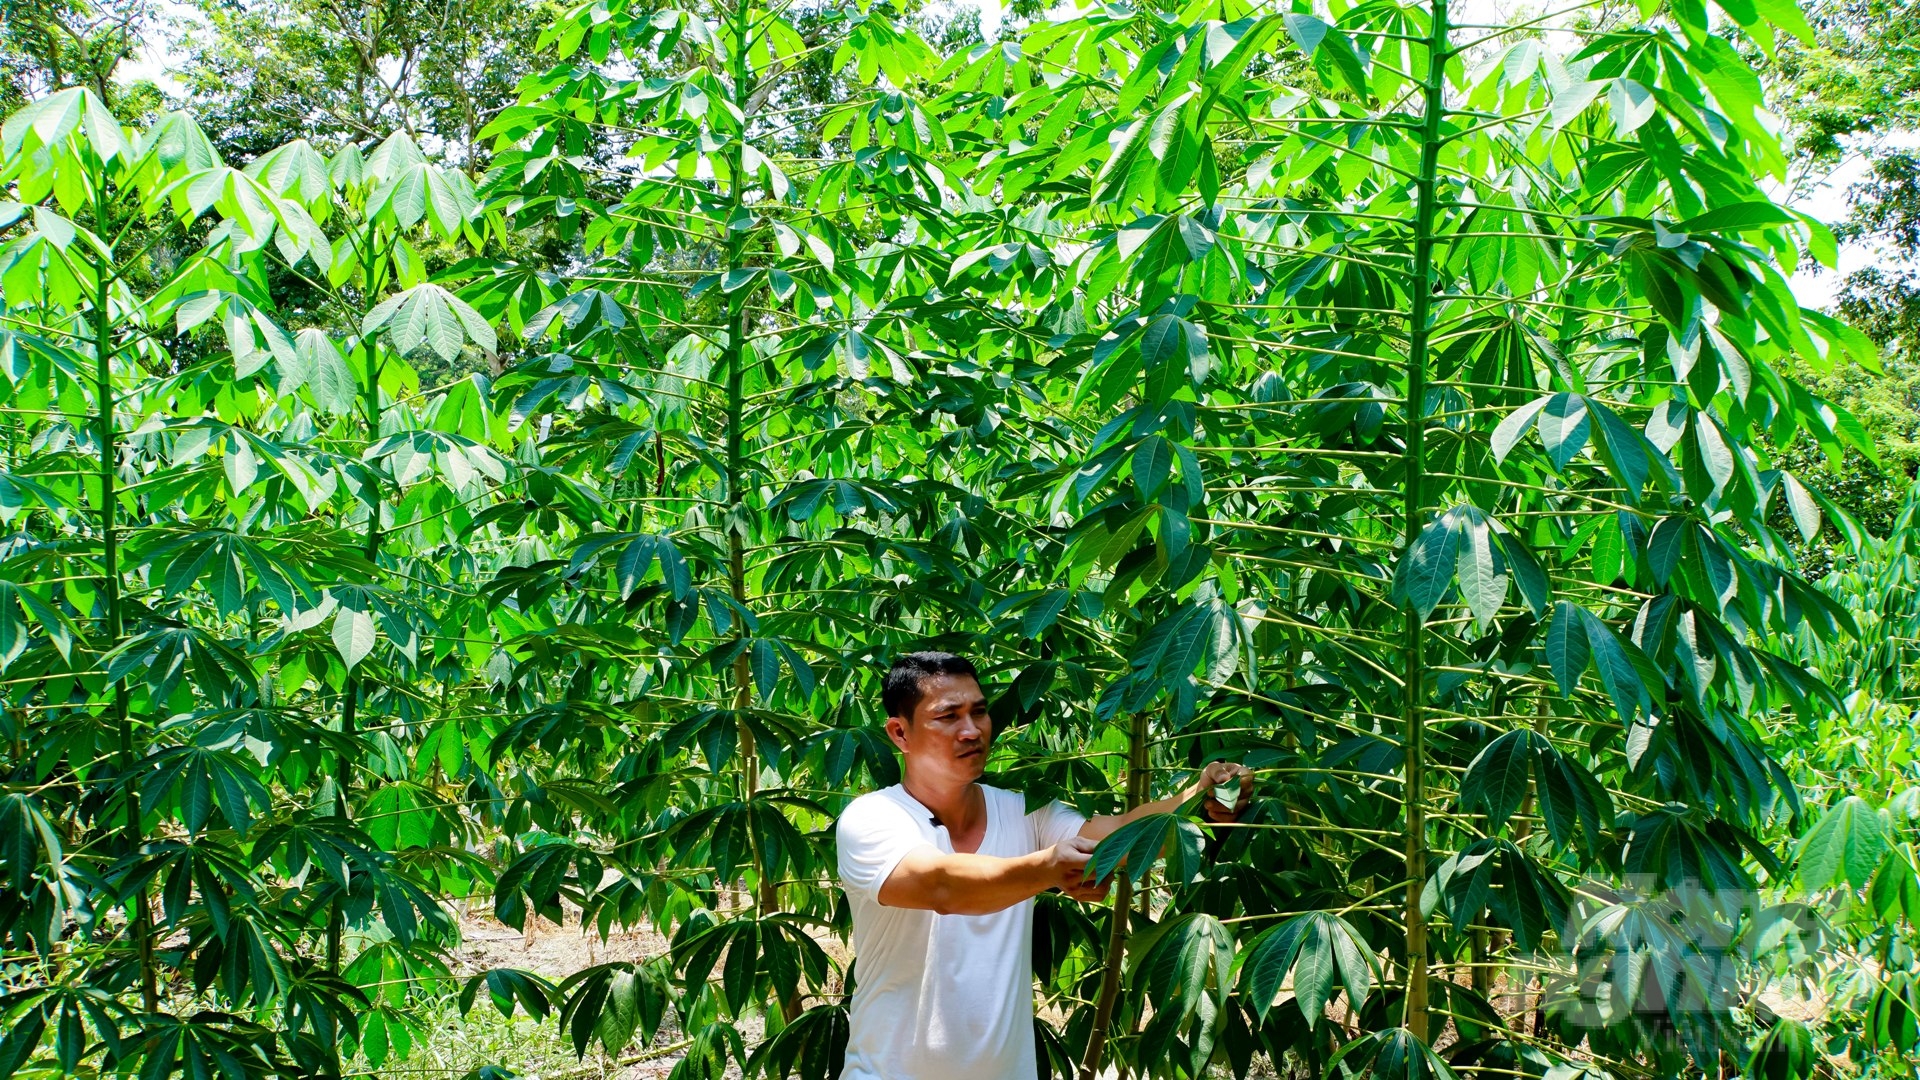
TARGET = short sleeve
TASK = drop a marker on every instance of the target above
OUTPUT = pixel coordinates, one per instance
(873, 835)
(1053, 823)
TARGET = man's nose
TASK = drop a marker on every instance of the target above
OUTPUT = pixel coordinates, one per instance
(969, 728)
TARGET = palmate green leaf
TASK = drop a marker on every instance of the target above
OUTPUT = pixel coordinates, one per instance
(166, 655)
(1173, 352)
(508, 988)
(55, 117)
(197, 777)
(1570, 797)
(760, 955)
(1786, 1052)
(428, 317)
(388, 1034)
(1675, 846)
(207, 1044)
(636, 1003)
(450, 201)
(1845, 846)
(1496, 781)
(1181, 960)
(639, 553)
(754, 834)
(1136, 846)
(813, 1046)
(402, 814)
(1317, 949)
(537, 879)
(322, 368)
(1184, 970)
(1393, 1054)
(1495, 874)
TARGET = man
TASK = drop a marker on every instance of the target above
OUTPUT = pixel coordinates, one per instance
(942, 871)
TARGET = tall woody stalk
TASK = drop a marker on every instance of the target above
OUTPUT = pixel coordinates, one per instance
(105, 271)
(1116, 952)
(350, 694)
(1420, 316)
(768, 893)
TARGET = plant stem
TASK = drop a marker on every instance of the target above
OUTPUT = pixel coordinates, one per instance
(1416, 1015)
(1116, 953)
(767, 896)
(736, 404)
(350, 693)
(139, 919)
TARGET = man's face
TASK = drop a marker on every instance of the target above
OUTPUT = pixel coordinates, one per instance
(949, 733)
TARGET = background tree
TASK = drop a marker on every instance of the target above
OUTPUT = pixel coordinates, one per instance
(48, 46)
(261, 74)
(1855, 78)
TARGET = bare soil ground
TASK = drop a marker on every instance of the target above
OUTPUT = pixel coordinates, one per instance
(539, 1050)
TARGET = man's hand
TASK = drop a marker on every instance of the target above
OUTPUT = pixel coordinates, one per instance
(1069, 862)
(1205, 782)
(1219, 774)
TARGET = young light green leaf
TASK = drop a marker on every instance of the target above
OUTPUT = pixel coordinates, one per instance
(353, 634)
(1845, 846)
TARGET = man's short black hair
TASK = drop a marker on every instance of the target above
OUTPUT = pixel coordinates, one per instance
(901, 692)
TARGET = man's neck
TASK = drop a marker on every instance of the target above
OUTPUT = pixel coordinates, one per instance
(955, 806)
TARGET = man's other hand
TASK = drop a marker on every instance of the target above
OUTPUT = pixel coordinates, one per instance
(1070, 864)
(1222, 773)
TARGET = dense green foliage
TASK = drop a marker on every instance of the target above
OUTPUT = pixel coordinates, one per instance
(1385, 401)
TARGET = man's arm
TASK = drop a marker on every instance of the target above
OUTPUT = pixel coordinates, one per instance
(928, 879)
(1215, 774)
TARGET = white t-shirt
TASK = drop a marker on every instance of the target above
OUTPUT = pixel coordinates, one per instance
(940, 997)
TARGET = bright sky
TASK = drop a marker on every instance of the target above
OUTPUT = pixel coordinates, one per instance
(1826, 201)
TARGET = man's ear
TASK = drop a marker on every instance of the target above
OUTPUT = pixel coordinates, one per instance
(897, 731)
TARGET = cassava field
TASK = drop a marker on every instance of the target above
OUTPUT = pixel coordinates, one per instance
(468, 465)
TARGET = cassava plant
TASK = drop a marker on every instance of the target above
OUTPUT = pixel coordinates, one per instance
(215, 441)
